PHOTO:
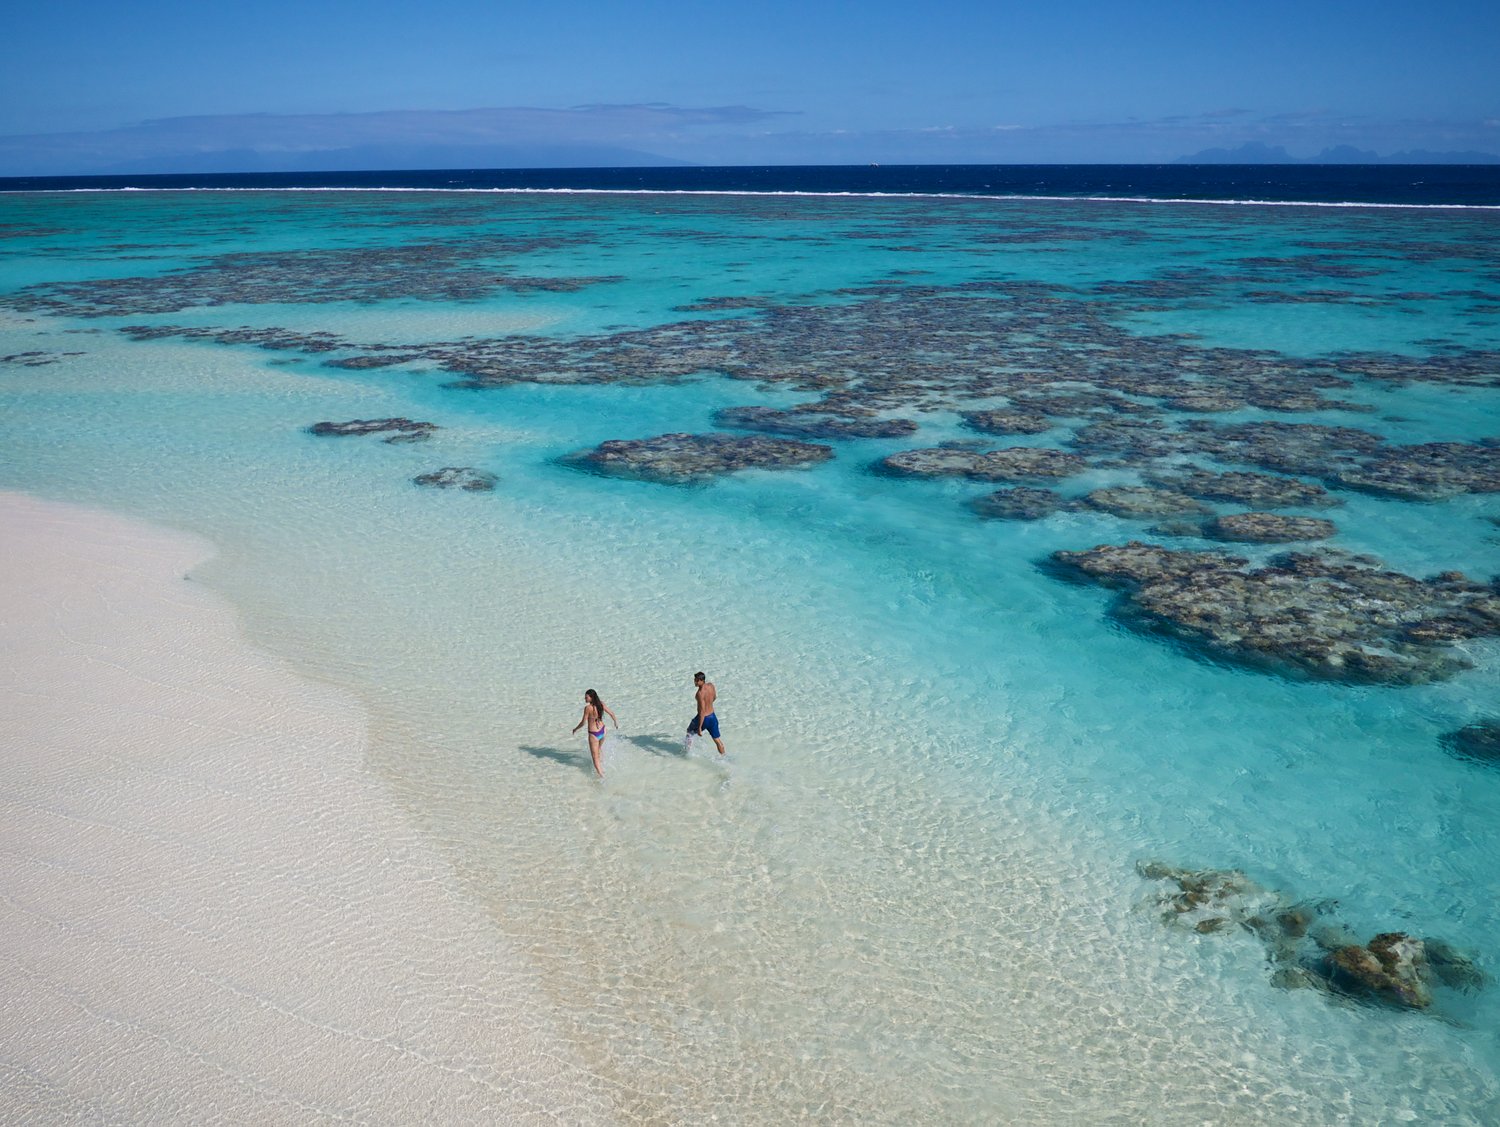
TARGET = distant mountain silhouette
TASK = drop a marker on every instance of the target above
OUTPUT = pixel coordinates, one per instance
(1256, 153)
(381, 157)
(496, 137)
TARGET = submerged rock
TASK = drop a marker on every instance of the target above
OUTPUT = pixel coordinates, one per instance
(1479, 741)
(1268, 528)
(1208, 900)
(1306, 948)
(396, 430)
(1392, 967)
(1298, 978)
(810, 424)
(1321, 614)
(1332, 936)
(1454, 968)
(685, 458)
(458, 477)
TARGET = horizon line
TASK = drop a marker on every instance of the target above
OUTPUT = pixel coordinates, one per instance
(682, 166)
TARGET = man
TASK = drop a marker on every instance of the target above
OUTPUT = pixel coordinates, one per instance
(705, 721)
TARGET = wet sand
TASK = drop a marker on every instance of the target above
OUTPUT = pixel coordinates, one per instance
(209, 911)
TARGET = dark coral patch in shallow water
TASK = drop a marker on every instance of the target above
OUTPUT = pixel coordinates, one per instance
(1310, 448)
(1010, 464)
(1246, 488)
(1141, 501)
(811, 424)
(271, 338)
(1324, 614)
(1307, 945)
(467, 478)
(1021, 502)
(1479, 742)
(451, 270)
(36, 358)
(1426, 472)
(1007, 422)
(687, 458)
(1268, 528)
(395, 430)
(1020, 463)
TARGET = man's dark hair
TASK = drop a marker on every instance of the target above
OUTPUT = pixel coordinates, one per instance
(698, 676)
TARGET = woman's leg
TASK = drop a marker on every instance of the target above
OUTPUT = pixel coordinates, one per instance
(595, 750)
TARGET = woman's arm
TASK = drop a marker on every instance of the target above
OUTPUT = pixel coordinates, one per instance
(612, 715)
(582, 722)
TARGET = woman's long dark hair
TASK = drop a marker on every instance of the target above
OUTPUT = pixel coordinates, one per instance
(596, 702)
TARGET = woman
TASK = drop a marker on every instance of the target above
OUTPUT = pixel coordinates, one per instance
(594, 711)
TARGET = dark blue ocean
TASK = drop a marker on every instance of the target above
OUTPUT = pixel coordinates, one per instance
(1436, 185)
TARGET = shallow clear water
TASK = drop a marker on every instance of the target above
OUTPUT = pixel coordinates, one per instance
(909, 893)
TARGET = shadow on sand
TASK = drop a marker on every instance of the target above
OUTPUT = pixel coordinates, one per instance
(578, 760)
(659, 744)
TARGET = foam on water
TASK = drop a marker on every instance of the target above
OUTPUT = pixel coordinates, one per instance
(908, 894)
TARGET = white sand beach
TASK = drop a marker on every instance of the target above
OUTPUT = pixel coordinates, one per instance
(209, 912)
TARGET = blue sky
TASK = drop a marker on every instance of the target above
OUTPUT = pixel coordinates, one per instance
(86, 85)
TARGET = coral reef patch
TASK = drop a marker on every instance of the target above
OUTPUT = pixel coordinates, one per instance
(809, 424)
(1021, 502)
(1135, 501)
(1268, 528)
(1007, 422)
(690, 458)
(396, 430)
(1325, 615)
(1427, 472)
(445, 270)
(1267, 491)
(1009, 464)
(36, 358)
(1306, 945)
(458, 477)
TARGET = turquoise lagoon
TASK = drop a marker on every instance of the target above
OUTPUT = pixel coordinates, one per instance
(909, 894)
